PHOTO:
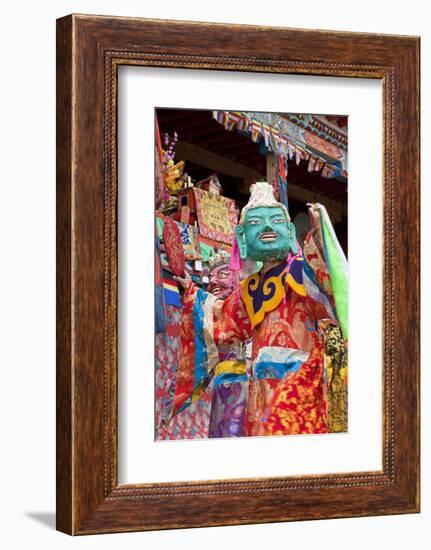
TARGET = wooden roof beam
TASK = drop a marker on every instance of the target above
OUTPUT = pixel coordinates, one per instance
(193, 153)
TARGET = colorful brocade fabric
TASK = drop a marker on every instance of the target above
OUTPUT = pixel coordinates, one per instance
(299, 404)
(216, 215)
(286, 345)
(336, 376)
(199, 344)
(317, 280)
(173, 246)
(262, 293)
(192, 423)
(160, 320)
(228, 408)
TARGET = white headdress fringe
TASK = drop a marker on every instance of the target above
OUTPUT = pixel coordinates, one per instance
(262, 194)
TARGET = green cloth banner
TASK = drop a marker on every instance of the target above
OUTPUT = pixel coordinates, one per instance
(338, 269)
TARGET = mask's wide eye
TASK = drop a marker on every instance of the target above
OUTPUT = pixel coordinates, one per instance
(253, 222)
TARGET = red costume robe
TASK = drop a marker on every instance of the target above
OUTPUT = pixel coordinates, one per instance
(287, 390)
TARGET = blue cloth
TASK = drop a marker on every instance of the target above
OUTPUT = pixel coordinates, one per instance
(275, 362)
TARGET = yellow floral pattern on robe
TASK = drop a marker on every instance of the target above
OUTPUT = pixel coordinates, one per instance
(336, 375)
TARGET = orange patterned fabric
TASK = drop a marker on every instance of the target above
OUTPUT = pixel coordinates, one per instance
(300, 405)
(184, 384)
(291, 405)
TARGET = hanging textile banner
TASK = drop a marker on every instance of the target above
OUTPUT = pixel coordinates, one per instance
(173, 246)
(285, 138)
(216, 215)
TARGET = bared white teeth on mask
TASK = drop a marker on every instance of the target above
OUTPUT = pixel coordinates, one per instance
(268, 237)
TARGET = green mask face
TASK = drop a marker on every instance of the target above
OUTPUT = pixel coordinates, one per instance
(266, 234)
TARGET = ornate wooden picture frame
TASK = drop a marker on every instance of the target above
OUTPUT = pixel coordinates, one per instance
(89, 51)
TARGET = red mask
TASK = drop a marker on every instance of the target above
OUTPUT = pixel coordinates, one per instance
(222, 281)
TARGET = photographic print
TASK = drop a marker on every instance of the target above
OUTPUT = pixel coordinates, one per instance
(251, 278)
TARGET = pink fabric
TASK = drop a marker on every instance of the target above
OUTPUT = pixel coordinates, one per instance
(235, 259)
(291, 257)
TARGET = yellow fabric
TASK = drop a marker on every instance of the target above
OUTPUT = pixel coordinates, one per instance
(216, 215)
(230, 367)
(296, 287)
(197, 392)
(336, 376)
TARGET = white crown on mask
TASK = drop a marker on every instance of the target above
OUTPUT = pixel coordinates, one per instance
(262, 194)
